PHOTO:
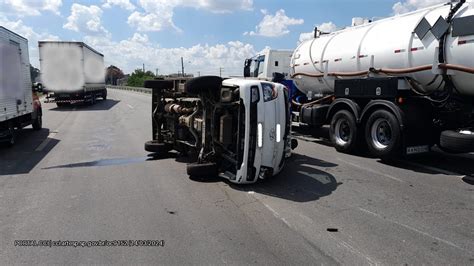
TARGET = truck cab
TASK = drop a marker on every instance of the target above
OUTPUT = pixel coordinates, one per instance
(264, 64)
(237, 129)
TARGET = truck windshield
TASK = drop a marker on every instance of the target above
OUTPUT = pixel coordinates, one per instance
(256, 66)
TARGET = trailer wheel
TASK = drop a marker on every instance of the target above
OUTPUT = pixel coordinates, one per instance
(104, 95)
(457, 141)
(209, 83)
(38, 123)
(202, 170)
(343, 131)
(383, 134)
(157, 147)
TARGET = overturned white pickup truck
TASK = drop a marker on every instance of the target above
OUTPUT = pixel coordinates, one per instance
(235, 128)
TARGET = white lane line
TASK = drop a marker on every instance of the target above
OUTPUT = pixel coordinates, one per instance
(434, 169)
(46, 141)
(414, 229)
(372, 171)
(129, 106)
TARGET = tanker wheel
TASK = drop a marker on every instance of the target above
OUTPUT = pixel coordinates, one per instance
(457, 141)
(383, 134)
(343, 131)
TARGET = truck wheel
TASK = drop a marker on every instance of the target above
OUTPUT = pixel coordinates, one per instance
(343, 131)
(196, 85)
(104, 96)
(38, 123)
(383, 134)
(58, 104)
(457, 141)
(203, 169)
(156, 147)
(158, 84)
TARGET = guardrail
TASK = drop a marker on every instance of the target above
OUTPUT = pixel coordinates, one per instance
(127, 88)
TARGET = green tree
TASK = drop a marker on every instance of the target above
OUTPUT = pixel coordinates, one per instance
(138, 77)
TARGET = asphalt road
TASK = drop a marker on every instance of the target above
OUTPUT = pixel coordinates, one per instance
(86, 177)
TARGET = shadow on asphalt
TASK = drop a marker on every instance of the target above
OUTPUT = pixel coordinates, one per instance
(299, 181)
(437, 162)
(30, 148)
(99, 105)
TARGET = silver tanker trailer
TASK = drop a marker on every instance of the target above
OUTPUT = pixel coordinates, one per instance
(395, 86)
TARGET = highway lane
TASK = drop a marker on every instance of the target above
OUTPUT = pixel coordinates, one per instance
(87, 177)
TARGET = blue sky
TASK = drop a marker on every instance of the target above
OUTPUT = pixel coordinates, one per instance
(209, 34)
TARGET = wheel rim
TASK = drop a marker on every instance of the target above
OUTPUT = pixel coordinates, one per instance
(342, 132)
(381, 133)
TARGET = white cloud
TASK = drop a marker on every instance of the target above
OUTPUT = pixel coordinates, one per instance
(274, 25)
(85, 19)
(33, 37)
(33, 7)
(131, 53)
(326, 27)
(158, 14)
(125, 4)
(411, 5)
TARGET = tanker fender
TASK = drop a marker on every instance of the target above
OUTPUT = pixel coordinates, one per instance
(344, 103)
(387, 105)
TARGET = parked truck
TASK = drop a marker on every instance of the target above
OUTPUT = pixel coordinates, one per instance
(71, 72)
(394, 86)
(237, 129)
(19, 104)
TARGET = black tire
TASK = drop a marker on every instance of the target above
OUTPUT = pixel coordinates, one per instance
(343, 131)
(156, 147)
(383, 134)
(104, 95)
(158, 84)
(454, 141)
(38, 123)
(58, 104)
(201, 170)
(209, 83)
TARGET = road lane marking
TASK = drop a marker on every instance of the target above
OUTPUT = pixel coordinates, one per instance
(434, 169)
(337, 241)
(129, 106)
(372, 171)
(46, 141)
(414, 229)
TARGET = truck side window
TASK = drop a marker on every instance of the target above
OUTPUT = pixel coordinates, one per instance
(276, 63)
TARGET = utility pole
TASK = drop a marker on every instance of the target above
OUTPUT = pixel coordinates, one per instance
(182, 66)
(220, 71)
(143, 67)
(156, 72)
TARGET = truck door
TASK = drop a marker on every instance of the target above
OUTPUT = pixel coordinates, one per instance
(18, 76)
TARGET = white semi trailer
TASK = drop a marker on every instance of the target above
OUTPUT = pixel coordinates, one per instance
(71, 72)
(397, 85)
(19, 105)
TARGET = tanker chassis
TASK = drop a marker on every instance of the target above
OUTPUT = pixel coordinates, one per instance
(396, 86)
(234, 128)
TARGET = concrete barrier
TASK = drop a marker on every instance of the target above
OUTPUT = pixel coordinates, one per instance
(127, 88)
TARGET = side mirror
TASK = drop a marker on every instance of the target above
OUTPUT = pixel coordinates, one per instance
(247, 68)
